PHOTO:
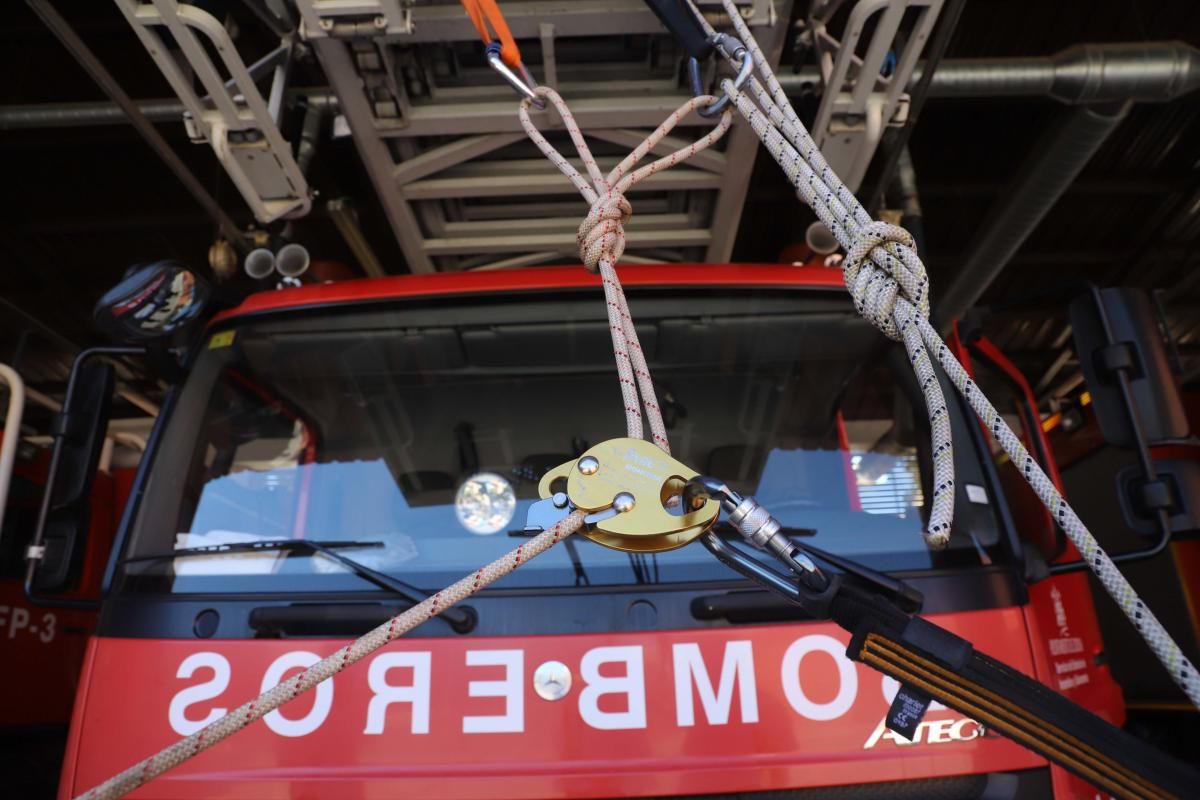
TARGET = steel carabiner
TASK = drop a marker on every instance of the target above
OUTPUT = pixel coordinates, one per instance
(756, 526)
(522, 82)
(732, 49)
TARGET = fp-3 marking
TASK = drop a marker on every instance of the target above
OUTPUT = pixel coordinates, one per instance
(17, 618)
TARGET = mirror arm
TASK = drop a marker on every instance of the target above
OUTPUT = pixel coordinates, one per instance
(166, 361)
(62, 429)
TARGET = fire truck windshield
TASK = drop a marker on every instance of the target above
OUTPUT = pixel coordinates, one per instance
(426, 424)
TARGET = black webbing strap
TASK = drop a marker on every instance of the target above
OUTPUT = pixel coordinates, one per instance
(930, 661)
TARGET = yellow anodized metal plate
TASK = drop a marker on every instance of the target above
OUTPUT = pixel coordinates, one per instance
(641, 469)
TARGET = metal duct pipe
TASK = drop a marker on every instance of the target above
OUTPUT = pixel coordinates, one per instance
(82, 115)
(1087, 73)
(1150, 72)
(820, 239)
(1057, 159)
(292, 260)
(260, 263)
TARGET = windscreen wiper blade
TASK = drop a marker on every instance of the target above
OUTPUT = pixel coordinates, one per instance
(752, 605)
(265, 545)
(462, 619)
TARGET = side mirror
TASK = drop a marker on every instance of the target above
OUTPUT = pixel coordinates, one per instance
(1136, 403)
(56, 555)
(152, 302)
(1115, 332)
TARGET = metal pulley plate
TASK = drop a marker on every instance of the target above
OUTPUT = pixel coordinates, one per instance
(626, 485)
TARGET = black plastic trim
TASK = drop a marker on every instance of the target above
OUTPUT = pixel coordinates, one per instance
(518, 612)
(138, 489)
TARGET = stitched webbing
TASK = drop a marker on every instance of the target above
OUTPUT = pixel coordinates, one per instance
(997, 712)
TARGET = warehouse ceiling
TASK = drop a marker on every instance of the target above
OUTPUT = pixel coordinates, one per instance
(441, 177)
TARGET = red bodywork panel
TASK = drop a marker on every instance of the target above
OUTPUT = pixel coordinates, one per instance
(534, 279)
(42, 649)
(811, 718)
(817, 716)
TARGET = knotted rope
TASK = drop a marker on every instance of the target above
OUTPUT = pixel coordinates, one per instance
(887, 281)
(875, 290)
(884, 276)
(601, 237)
(601, 242)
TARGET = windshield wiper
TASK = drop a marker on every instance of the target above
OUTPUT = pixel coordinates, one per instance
(462, 619)
(266, 545)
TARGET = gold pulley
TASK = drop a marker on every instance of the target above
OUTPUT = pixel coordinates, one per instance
(633, 495)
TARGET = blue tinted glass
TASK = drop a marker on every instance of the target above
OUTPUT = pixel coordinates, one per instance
(426, 428)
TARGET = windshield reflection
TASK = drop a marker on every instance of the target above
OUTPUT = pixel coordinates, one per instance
(429, 429)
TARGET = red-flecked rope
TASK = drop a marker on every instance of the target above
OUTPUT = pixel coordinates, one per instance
(601, 240)
(326, 668)
(602, 237)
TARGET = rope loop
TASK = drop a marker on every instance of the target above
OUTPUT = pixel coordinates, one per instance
(881, 267)
(602, 232)
(601, 236)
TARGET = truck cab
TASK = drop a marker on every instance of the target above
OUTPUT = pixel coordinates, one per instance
(406, 423)
(42, 646)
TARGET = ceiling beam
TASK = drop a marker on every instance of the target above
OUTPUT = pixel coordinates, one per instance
(448, 23)
(380, 166)
(549, 182)
(559, 242)
(500, 115)
(449, 155)
(741, 149)
(639, 222)
(710, 159)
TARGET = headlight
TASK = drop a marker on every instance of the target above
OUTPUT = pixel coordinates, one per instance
(485, 503)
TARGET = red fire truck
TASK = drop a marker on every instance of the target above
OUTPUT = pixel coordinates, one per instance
(337, 451)
(42, 647)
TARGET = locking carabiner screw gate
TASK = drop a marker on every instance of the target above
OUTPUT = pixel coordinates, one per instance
(756, 525)
(734, 51)
(520, 79)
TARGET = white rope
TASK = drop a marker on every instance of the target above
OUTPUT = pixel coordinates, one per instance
(288, 690)
(601, 237)
(887, 281)
(601, 240)
(888, 284)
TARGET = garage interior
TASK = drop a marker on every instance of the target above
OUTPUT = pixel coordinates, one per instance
(1034, 149)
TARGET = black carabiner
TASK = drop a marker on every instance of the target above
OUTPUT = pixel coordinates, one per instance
(681, 21)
